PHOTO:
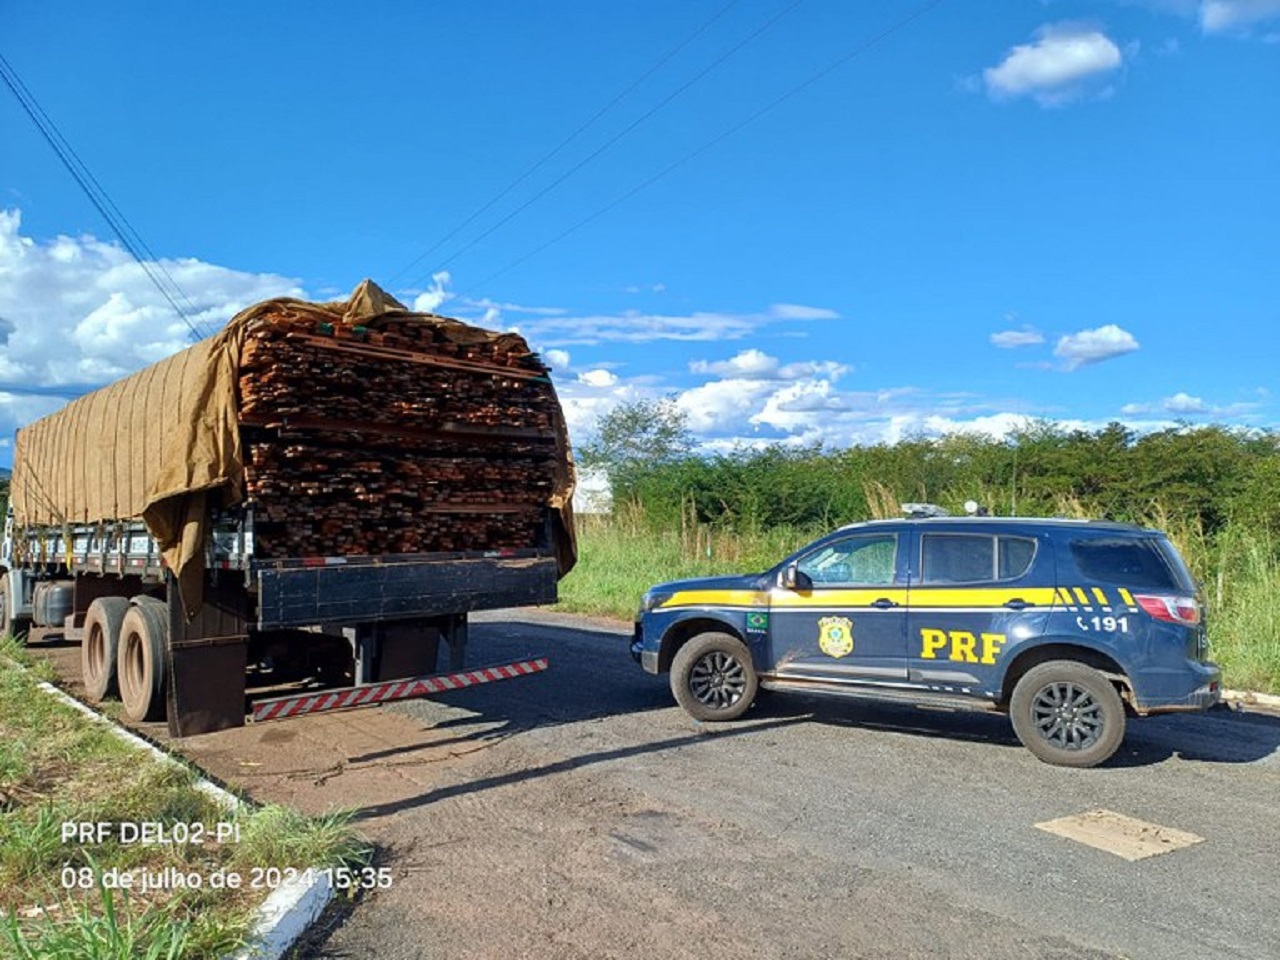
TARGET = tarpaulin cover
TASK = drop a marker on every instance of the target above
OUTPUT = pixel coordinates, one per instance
(160, 444)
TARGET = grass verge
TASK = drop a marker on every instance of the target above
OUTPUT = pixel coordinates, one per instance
(89, 895)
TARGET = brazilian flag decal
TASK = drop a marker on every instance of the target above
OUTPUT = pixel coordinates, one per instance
(757, 622)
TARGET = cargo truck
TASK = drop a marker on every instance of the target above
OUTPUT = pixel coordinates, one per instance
(317, 496)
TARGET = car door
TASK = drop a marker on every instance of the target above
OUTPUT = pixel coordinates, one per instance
(976, 594)
(844, 618)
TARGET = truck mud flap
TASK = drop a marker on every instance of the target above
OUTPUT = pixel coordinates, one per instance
(280, 707)
(206, 661)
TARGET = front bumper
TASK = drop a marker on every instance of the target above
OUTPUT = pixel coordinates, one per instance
(648, 659)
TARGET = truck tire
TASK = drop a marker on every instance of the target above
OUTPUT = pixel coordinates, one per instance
(713, 678)
(1067, 714)
(98, 650)
(141, 664)
(10, 626)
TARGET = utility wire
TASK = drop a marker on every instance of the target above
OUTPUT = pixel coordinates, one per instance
(567, 140)
(129, 237)
(724, 135)
(632, 126)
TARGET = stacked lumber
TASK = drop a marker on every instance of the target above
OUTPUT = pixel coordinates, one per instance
(411, 435)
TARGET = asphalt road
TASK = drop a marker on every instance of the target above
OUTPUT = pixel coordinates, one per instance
(582, 814)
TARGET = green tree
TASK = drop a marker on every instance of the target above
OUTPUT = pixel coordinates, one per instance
(641, 433)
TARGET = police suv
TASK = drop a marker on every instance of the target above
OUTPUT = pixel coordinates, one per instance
(1066, 625)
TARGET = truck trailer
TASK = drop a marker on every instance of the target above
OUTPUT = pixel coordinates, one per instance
(315, 497)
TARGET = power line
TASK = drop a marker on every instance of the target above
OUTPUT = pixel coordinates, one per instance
(632, 126)
(129, 238)
(724, 135)
(567, 140)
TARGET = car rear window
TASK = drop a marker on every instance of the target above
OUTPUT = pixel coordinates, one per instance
(1130, 563)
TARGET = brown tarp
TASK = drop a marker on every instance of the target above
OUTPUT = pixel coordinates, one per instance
(155, 445)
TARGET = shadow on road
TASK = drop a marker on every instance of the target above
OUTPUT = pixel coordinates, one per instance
(591, 676)
(571, 763)
(1221, 736)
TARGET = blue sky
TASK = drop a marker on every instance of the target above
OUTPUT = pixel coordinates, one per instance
(868, 220)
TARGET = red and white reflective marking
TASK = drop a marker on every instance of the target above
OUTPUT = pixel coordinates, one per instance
(391, 690)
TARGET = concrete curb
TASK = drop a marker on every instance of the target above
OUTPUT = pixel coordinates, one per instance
(1249, 698)
(287, 913)
(285, 916)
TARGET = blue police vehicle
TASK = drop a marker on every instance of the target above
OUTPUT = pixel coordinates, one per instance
(1068, 626)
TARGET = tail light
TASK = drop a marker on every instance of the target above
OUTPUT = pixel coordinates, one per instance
(1170, 609)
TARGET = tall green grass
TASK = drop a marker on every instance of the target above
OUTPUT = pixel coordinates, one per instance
(620, 557)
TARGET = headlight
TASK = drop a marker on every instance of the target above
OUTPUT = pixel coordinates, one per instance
(653, 599)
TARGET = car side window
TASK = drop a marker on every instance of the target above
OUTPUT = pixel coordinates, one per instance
(856, 560)
(1133, 563)
(974, 558)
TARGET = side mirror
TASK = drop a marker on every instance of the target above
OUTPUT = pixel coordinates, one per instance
(793, 578)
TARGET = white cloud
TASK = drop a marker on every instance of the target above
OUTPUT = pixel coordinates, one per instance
(1063, 64)
(1183, 404)
(798, 406)
(487, 304)
(557, 359)
(723, 406)
(635, 326)
(1234, 17)
(429, 301)
(749, 364)
(598, 378)
(1221, 16)
(76, 313)
(754, 364)
(1077, 350)
(79, 312)
(797, 311)
(1008, 339)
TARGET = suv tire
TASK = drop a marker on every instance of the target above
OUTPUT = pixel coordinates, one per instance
(1067, 714)
(713, 678)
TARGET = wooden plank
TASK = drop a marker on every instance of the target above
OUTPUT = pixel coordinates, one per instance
(1125, 837)
(391, 353)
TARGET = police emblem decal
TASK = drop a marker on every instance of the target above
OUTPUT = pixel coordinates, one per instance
(835, 636)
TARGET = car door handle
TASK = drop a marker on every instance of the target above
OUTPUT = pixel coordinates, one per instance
(884, 603)
(1017, 603)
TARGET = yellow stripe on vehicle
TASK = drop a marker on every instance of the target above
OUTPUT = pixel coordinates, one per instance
(985, 597)
(860, 597)
(1102, 597)
(1064, 597)
(716, 598)
(1081, 597)
(1126, 596)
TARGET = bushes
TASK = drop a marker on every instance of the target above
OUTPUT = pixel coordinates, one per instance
(1206, 476)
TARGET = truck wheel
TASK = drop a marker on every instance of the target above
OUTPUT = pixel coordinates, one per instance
(1067, 714)
(141, 659)
(713, 678)
(101, 641)
(10, 626)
